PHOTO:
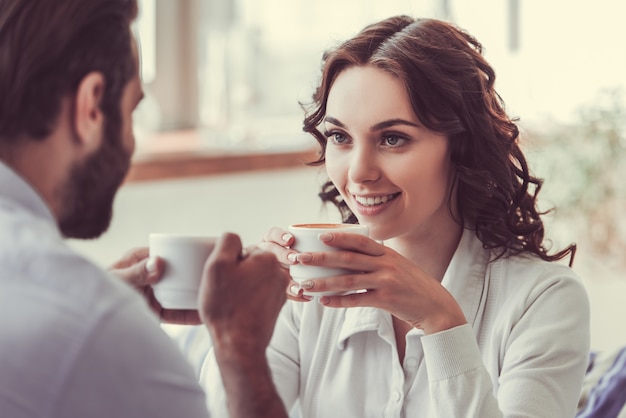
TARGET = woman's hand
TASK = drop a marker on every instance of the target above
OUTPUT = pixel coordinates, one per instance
(279, 241)
(393, 283)
(141, 271)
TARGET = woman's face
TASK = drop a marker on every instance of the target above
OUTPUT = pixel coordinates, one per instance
(393, 173)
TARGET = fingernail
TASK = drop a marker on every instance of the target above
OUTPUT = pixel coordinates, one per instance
(324, 300)
(325, 236)
(304, 257)
(295, 290)
(286, 237)
(307, 284)
(293, 257)
(151, 265)
(307, 297)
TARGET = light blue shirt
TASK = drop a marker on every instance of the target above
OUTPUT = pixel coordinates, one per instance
(75, 342)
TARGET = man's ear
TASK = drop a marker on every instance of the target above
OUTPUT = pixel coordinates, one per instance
(88, 117)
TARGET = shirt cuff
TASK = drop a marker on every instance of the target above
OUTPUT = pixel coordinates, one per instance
(451, 353)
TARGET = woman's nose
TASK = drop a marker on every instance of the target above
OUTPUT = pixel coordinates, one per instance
(364, 165)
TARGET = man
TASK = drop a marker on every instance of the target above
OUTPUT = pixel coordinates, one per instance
(75, 342)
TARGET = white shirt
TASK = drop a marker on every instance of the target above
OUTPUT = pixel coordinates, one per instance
(75, 342)
(523, 352)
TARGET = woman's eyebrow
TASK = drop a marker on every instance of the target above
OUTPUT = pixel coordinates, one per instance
(334, 121)
(392, 122)
(379, 126)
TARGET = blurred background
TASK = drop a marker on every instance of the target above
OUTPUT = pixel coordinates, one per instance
(219, 135)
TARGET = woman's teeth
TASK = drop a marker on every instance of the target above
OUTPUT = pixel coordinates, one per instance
(373, 201)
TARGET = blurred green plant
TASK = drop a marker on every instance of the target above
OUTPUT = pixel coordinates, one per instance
(584, 167)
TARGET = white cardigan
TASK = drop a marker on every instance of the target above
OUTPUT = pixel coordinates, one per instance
(523, 352)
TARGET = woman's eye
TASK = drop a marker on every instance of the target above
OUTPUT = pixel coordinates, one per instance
(337, 138)
(392, 140)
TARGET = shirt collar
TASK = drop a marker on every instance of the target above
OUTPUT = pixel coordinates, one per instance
(16, 189)
(465, 275)
(365, 319)
(464, 279)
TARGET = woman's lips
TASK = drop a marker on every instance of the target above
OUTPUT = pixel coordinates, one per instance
(374, 201)
(373, 205)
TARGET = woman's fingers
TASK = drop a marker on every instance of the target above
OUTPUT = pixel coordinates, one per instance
(349, 301)
(343, 283)
(353, 242)
(356, 252)
(295, 292)
(280, 236)
(341, 259)
(277, 241)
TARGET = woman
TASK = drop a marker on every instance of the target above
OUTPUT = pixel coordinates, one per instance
(467, 314)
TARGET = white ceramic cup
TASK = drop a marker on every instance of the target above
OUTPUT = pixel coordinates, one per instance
(307, 240)
(184, 257)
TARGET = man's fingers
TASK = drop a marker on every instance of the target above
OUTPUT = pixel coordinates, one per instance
(228, 247)
(132, 257)
(145, 272)
(180, 317)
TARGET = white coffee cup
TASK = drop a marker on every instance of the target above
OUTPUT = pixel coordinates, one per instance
(184, 257)
(307, 240)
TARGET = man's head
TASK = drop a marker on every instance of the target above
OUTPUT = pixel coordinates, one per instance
(69, 82)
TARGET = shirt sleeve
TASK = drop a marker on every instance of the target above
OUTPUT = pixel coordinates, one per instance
(543, 360)
(128, 367)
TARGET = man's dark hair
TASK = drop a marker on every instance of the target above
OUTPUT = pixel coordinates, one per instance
(47, 47)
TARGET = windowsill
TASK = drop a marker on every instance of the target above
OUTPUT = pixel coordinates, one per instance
(182, 154)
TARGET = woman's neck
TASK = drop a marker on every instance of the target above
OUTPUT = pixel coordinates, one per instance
(432, 250)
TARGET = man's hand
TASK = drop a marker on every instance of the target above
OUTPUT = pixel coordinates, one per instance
(141, 271)
(241, 295)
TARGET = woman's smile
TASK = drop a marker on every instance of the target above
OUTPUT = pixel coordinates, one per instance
(374, 200)
(392, 172)
(372, 205)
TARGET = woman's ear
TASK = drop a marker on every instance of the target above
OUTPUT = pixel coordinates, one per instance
(88, 117)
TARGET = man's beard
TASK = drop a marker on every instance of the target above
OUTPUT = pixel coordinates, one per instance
(89, 192)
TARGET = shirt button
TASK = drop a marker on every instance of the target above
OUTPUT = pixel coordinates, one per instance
(396, 396)
(411, 362)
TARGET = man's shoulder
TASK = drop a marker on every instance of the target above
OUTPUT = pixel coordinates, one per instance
(41, 263)
(43, 279)
(68, 341)
(64, 319)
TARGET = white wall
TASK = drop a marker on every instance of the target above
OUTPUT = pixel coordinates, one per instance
(249, 204)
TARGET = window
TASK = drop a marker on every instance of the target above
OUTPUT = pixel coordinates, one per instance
(235, 70)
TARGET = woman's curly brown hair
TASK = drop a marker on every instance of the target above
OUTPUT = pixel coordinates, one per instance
(451, 88)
